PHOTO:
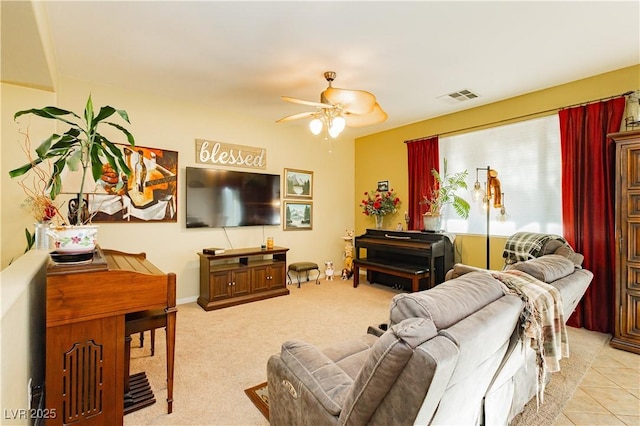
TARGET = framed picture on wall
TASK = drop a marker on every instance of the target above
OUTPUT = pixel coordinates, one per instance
(298, 215)
(298, 183)
(147, 194)
(383, 185)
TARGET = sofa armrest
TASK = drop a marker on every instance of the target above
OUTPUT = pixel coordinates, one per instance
(328, 383)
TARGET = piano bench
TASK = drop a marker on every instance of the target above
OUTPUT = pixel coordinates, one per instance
(415, 274)
(303, 267)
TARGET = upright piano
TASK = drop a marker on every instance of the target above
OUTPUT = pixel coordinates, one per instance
(419, 259)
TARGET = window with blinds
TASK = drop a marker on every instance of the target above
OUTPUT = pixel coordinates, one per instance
(527, 157)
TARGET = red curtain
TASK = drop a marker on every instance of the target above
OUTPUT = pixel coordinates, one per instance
(588, 203)
(423, 155)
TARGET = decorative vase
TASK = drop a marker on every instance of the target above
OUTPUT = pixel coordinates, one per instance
(74, 204)
(432, 223)
(40, 236)
(74, 239)
(379, 220)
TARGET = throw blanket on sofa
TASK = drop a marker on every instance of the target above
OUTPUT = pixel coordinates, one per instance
(523, 246)
(542, 320)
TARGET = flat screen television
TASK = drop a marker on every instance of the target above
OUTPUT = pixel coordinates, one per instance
(220, 198)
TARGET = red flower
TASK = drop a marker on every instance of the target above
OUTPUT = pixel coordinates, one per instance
(49, 212)
(379, 203)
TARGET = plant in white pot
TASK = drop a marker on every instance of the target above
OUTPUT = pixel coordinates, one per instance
(81, 147)
(443, 194)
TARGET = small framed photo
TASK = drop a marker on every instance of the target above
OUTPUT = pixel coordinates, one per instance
(298, 215)
(383, 185)
(298, 183)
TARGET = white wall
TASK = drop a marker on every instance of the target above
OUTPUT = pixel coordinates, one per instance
(22, 322)
(13, 219)
(174, 125)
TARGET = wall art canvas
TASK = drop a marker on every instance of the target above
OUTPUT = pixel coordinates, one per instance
(147, 194)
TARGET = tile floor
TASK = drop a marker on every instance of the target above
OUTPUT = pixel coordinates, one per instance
(609, 393)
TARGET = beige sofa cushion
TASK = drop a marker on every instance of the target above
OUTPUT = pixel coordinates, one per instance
(548, 268)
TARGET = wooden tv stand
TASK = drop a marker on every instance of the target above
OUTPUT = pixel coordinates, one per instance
(241, 276)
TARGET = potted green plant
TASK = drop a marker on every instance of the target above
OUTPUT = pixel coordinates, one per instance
(81, 147)
(443, 194)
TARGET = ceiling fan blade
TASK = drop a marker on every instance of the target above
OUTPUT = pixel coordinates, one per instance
(308, 103)
(297, 116)
(353, 101)
(377, 115)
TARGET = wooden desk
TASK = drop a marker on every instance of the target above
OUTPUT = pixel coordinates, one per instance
(86, 306)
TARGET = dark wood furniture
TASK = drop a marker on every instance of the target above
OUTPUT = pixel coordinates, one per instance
(420, 259)
(85, 336)
(242, 275)
(627, 281)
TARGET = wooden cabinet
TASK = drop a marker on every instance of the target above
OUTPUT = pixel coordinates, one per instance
(85, 334)
(627, 280)
(241, 276)
(227, 284)
(268, 277)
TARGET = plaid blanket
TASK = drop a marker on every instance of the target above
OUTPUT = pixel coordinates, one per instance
(523, 246)
(542, 321)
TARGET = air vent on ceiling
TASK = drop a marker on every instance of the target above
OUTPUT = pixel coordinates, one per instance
(459, 96)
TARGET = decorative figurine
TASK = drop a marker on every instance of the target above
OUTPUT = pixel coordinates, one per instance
(329, 271)
(347, 271)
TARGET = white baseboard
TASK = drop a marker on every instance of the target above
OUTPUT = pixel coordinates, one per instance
(187, 300)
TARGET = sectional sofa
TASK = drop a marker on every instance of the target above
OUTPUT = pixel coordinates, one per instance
(472, 350)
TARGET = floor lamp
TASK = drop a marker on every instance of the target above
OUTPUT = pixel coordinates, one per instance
(490, 192)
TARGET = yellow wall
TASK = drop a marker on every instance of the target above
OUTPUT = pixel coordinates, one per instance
(383, 156)
(169, 124)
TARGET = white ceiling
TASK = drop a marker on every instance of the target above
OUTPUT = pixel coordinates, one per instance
(242, 56)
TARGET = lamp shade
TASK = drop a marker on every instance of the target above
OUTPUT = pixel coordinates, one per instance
(336, 127)
(477, 193)
(315, 126)
(338, 123)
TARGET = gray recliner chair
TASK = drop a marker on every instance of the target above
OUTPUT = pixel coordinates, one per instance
(432, 366)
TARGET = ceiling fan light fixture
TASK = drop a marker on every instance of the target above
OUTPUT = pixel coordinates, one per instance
(337, 109)
(315, 126)
(334, 132)
(338, 124)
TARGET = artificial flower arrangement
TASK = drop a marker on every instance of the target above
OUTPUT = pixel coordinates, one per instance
(41, 207)
(38, 202)
(379, 203)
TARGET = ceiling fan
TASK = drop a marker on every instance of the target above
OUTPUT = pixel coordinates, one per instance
(339, 108)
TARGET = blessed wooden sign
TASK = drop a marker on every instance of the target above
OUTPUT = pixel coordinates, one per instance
(210, 152)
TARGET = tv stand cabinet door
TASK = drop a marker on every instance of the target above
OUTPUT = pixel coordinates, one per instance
(278, 276)
(259, 279)
(241, 283)
(219, 286)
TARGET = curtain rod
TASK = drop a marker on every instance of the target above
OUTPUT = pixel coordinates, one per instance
(627, 93)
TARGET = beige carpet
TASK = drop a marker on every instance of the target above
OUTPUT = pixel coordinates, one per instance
(221, 353)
